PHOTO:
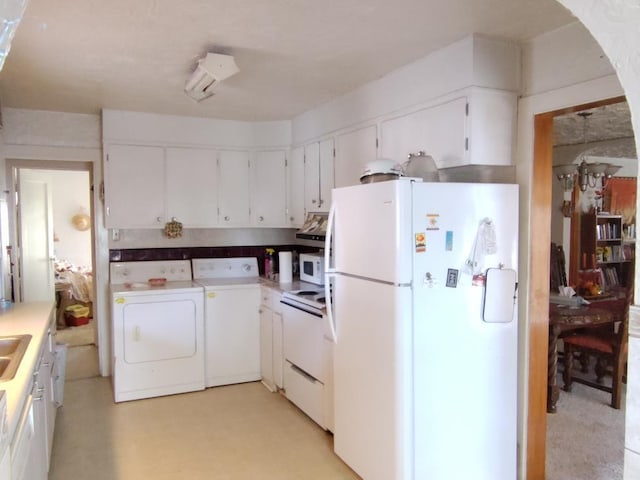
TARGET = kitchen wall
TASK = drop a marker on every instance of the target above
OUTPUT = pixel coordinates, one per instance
(548, 84)
(560, 69)
(70, 196)
(475, 60)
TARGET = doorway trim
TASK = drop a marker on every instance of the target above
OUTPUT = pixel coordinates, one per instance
(538, 305)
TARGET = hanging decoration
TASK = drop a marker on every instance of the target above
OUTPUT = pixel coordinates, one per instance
(173, 229)
(81, 220)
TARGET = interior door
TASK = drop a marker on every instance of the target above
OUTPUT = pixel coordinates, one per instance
(35, 236)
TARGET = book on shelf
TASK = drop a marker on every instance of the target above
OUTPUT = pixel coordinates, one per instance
(607, 231)
(610, 277)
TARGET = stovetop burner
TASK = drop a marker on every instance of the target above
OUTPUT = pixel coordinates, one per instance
(314, 298)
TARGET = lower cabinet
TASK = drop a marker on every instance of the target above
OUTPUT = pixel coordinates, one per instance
(271, 357)
(30, 448)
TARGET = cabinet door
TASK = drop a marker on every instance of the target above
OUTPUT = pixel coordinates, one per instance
(134, 186)
(266, 347)
(233, 187)
(327, 154)
(440, 131)
(191, 186)
(312, 177)
(296, 183)
(278, 356)
(353, 151)
(491, 130)
(268, 189)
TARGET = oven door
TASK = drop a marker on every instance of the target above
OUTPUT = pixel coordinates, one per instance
(303, 339)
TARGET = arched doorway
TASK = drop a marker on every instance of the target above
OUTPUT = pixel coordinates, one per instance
(614, 25)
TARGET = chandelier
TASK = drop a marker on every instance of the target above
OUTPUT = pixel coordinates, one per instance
(587, 174)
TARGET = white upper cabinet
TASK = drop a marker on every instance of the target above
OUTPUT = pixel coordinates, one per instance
(318, 175)
(134, 178)
(353, 151)
(295, 188)
(268, 189)
(438, 130)
(474, 129)
(233, 188)
(327, 181)
(312, 177)
(191, 186)
(492, 125)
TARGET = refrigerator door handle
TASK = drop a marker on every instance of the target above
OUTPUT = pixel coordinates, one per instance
(329, 304)
(327, 242)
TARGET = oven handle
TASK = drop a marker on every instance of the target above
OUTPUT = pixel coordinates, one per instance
(299, 307)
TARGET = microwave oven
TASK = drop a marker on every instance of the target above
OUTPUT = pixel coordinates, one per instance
(312, 268)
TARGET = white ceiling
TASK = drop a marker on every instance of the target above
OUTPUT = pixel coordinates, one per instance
(82, 56)
(606, 132)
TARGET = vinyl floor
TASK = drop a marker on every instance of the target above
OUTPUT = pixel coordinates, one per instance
(236, 432)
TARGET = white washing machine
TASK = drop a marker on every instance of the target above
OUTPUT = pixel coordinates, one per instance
(158, 329)
(232, 318)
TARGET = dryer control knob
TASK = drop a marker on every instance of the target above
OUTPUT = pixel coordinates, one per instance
(246, 267)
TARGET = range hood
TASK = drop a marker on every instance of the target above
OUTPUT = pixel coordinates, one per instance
(313, 230)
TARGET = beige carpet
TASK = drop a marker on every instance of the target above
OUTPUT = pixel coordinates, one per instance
(585, 438)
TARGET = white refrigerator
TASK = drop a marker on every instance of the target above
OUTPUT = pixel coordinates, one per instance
(424, 320)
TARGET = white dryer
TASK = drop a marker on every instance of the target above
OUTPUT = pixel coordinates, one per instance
(158, 329)
(232, 318)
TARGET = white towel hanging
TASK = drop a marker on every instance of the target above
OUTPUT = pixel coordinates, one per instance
(484, 244)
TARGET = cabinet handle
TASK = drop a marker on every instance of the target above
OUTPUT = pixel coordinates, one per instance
(37, 399)
(226, 218)
(313, 200)
(40, 390)
(261, 218)
(320, 202)
(158, 219)
(291, 219)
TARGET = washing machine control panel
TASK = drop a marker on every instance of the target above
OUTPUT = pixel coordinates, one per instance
(171, 270)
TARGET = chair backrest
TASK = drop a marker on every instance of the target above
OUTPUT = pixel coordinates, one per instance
(623, 328)
(558, 275)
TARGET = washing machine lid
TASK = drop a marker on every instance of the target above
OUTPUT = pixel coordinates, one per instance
(144, 288)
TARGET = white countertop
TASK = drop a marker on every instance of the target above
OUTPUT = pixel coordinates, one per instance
(24, 319)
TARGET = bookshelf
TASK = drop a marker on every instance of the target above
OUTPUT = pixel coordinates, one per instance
(607, 245)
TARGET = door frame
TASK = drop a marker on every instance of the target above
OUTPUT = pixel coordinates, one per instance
(12, 167)
(538, 306)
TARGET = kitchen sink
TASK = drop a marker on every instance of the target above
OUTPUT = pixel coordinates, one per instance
(12, 350)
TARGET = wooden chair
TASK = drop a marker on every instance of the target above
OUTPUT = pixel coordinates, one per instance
(608, 346)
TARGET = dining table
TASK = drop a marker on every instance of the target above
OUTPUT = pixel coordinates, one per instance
(564, 319)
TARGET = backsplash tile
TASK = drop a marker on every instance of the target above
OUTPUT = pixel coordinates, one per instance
(187, 253)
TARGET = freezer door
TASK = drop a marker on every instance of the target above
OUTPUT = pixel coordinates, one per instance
(372, 227)
(465, 368)
(372, 378)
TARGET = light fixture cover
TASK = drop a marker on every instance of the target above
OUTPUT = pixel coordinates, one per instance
(211, 70)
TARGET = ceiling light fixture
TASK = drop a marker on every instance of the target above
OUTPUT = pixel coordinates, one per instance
(211, 70)
(587, 173)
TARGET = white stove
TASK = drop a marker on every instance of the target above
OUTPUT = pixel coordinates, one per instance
(310, 297)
